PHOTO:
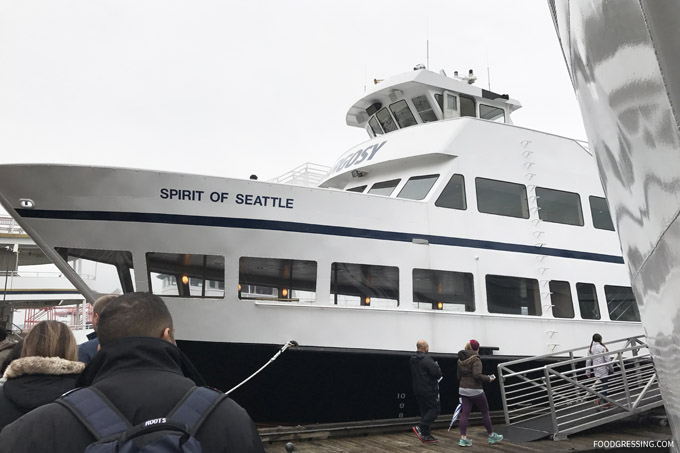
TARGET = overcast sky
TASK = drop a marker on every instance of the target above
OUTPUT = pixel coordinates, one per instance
(235, 88)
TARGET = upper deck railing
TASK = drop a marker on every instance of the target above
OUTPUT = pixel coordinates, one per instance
(307, 174)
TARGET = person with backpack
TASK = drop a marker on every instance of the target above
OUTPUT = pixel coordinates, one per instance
(139, 391)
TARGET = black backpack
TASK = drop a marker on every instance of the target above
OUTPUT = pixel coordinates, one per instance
(172, 433)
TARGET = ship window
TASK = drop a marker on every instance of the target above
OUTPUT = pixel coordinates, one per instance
(357, 189)
(277, 279)
(440, 101)
(587, 301)
(467, 106)
(621, 303)
(385, 120)
(513, 295)
(424, 109)
(443, 290)
(487, 112)
(186, 275)
(403, 114)
(418, 187)
(104, 271)
(560, 298)
(355, 285)
(453, 195)
(502, 198)
(602, 219)
(375, 127)
(559, 207)
(384, 188)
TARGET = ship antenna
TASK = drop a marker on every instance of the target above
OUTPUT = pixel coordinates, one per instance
(427, 43)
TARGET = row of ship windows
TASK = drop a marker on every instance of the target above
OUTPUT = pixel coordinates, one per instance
(351, 284)
(399, 114)
(500, 198)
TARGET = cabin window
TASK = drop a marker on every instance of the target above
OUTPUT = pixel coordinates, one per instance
(385, 120)
(185, 275)
(559, 207)
(357, 189)
(560, 299)
(418, 187)
(355, 285)
(440, 101)
(602, 220)
(486, 112)
(587, 301)
(375, 127)
(276, 279)
(443, 290)
(621, 303)
(384, 188)
(467, 106)
(513, 295)
(424, 109)
(403, 114)
(103, 271)
(453, 195)
(502, 198)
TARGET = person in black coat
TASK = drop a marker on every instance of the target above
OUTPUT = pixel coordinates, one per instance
(46, 369)
(425, 373)
(141, 371)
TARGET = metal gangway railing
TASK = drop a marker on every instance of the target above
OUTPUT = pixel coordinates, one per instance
(9, 226)
(563, 396)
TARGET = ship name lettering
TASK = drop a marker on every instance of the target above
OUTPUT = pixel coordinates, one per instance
(219, 196)
(181, 194)
(359, 156)
(262, 200)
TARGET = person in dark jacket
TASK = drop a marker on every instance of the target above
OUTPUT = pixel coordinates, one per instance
(426, 375)
(471, 378)
(47, 368)
(88, 349)
(141, 371)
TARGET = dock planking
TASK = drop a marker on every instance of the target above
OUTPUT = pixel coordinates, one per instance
(406, 441)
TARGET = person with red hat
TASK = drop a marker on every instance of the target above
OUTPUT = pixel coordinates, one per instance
(471, 392)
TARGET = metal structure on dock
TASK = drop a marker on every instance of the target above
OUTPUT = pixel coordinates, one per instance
(564, 397)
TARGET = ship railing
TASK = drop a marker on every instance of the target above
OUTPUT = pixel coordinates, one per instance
(307, 174)
(9, 226)
(564, 396)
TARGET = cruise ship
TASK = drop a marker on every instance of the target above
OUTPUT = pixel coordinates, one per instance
(448, 223)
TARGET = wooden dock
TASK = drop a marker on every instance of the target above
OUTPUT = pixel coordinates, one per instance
(405, 441)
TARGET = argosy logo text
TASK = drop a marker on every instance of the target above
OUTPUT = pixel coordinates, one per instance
(357, 157)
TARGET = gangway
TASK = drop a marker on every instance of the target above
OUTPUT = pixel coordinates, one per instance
(564, 397)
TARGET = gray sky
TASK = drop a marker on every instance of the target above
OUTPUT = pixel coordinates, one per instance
(234, 88)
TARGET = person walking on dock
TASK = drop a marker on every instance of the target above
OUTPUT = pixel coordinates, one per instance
(426, 375)
(471, 392)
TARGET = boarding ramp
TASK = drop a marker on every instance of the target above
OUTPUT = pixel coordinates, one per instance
(563, 397)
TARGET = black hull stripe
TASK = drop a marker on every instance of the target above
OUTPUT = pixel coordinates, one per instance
(296, 227)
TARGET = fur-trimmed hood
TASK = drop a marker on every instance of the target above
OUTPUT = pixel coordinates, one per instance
(42, 365)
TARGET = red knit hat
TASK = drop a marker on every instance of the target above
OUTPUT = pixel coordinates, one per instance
(474, 344)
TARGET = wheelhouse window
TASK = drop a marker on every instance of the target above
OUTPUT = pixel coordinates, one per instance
(513, 295)
(467, 106)
(185, 275)
(443, 290)
(602, 219)
(559, 207)
(104, 271)
(587, 301)
(486, 112)
(375, 127)
(385, 119)
(364, 285)
(560, 299)
(502, 198)
(621, 303)
(384, 188)
(453, 195)
(357, 189)
(424, 109)
(418, 187)
(440, 101)
(277, 279)
(402, 113)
